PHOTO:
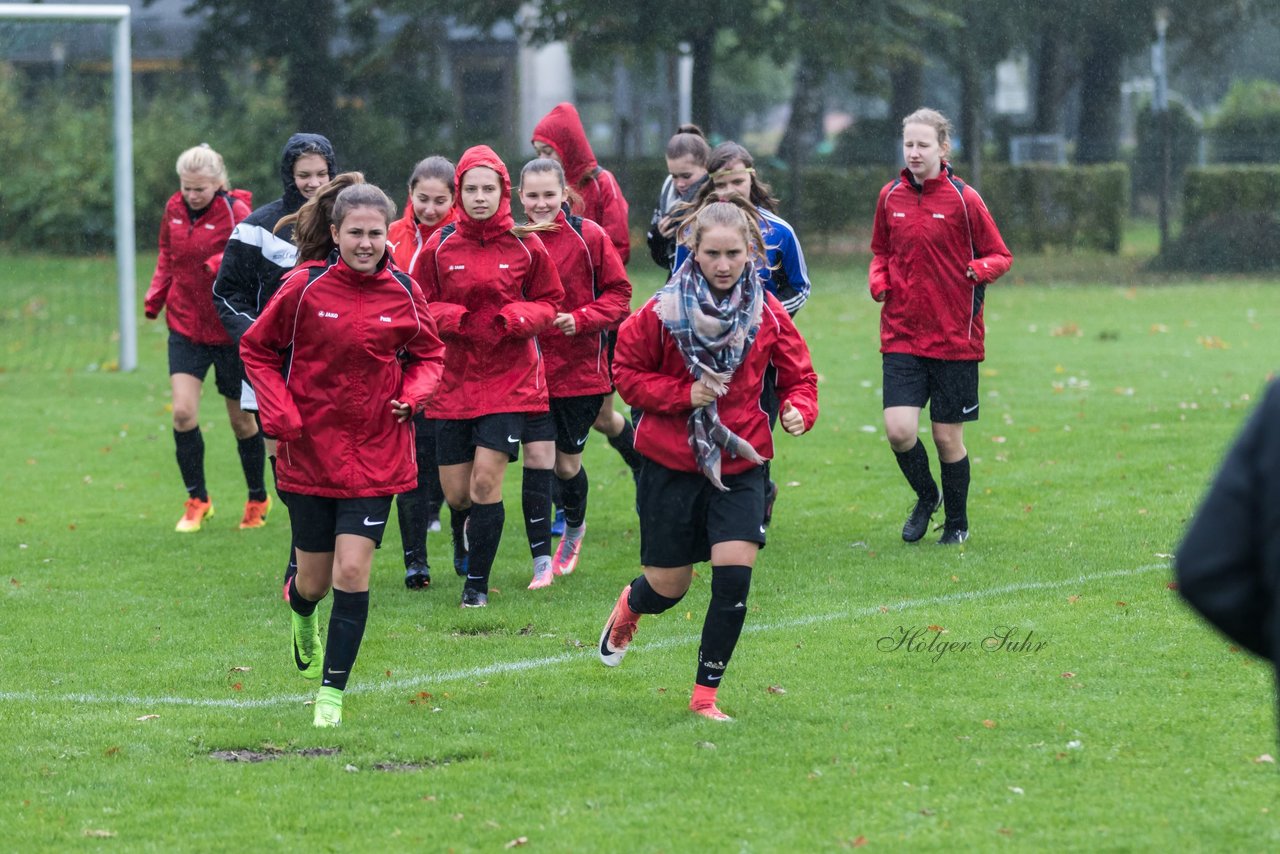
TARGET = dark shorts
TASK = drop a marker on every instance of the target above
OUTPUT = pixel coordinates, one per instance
(188, 357)
(949, 387)
(316, 521)
(682, 515)
(456, 441)
(573, 418)
(538, 427)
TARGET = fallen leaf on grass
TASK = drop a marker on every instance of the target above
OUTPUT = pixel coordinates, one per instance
(884, 609)
(939, 629)
(1004, 831)
(1266, 757)
(776, 689)
(350, 769)
(1073, 599)
(146, 718)
(858, 842)
(1066, 330)
(96, 833)
(517, 842)
(989, 724)
(705, 745)
(240, 669)
(1172, 585)
(1017, 790)
(1120, 604)
(1068, 675)
(431, 799)
(239, 686)
(111, 751)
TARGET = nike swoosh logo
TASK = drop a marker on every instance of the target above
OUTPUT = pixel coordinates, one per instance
(512, 439)
(762, 529)
(583, 440)
(539, 519)
(709, 678)
(339, 672)
(968, 409)
(535, 545)
(369, 523)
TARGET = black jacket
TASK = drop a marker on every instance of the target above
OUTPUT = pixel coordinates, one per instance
(662, 249)
(1228, 565)
(255, 258)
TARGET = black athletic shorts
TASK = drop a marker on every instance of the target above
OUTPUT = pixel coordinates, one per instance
(682, 515)
(456, 441)
(538, 427)
(573, 417)
(316, 521)
(188, 357)
(949, 387)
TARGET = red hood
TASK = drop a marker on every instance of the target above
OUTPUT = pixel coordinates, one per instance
(562, 130)
(483, 155)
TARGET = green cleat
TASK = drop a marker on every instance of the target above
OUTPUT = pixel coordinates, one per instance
(328, 707)
(308, 655)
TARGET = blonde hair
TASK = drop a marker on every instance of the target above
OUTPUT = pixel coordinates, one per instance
(733, 212)
(203, 160)
(934, 119)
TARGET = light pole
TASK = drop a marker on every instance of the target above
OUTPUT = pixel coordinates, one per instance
(1160, 106)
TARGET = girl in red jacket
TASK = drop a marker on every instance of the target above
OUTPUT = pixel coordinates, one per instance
(693, 361)
(560, 137)
(935, 249)
(492, 288)
(198, 219)
(430, 208)
(341, 358)
(597, 296)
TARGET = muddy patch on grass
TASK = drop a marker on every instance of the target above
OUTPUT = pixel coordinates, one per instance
(267, 753)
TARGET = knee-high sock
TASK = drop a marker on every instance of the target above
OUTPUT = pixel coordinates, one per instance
(253, 457)
(458, 527)
(535, 501)
(291, 568)
(484, 533)
(643, 599)
(955, 492)
(915, 467)
(346, 630)
(723, 624)
(574, 491)
(412, 511)
(189, 445)
(625, 444)
(427, 463)
(302, 607)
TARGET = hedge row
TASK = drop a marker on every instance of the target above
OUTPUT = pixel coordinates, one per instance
(1214, 191)
(1035, 206)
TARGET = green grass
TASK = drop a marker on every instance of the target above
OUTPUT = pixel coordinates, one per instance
(1106, 408)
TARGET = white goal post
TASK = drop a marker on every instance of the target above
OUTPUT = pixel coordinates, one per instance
(122, 148)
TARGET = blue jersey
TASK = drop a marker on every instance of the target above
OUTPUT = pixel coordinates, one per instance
(786, 276)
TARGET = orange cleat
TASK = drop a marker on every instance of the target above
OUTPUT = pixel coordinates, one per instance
(618, 631)
(255, 513)
(703, 703)
(194, 513)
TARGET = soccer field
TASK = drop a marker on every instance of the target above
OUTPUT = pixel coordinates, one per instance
(1041, 687)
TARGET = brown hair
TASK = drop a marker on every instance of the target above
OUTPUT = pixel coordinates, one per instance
(436, 167)
(734, 212)
(540, 165)
(362, 196)
(311, 221)
(731, 152)
(934, 119)
(689, 141)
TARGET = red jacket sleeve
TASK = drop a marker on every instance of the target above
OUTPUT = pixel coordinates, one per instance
(161, 281)
(543, 295)
(424, 361)
(637, 366)
(993, 257)
(613, 304)
(797, 382)
(878, 277)
(261, 350)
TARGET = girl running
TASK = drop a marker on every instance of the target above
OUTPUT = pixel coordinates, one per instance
(340, 359)
(492, 288)
(430, 207)
(693, 361)
(935, 250)
(560, 137)
(597, 296)
(687, 156)
(197, 221)
(256, 257)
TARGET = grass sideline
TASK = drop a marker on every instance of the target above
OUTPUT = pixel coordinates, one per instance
(1105, 411)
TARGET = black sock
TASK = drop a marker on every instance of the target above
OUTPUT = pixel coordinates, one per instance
(955, 493)
(300, 606)
(190, 450)
(253, 453)
(483, 534)
(915, 466)
(643, 599)
(346, 630)
(457, 525)
(535, 501)
(625, 444)
(291, 568)
(574, 492)
(413, 512)
(723, 624)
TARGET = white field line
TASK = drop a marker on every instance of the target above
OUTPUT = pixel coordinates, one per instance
(429, 679)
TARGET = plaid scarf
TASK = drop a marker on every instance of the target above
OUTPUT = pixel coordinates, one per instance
(713, 335)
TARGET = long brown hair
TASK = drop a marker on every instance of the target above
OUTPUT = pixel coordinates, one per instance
(311, 221)
(734, 212)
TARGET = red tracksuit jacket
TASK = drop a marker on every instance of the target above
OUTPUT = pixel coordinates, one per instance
(602, 199)
(597, 294)
(407, 236)
(924, 240)
(326, 357)
(490, 293)
(651, 375)
(190, 253)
